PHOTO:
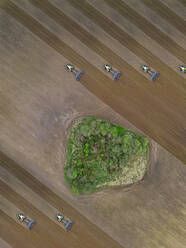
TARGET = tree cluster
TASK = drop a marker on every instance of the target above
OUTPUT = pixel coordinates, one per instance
(97, 152)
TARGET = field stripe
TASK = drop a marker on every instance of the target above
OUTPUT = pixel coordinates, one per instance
(140, 51)
(125, 39)
(98, 47)
(83, 230)
(29, 195)
(95, 31)
(137, 34)
(7, 205)
(166, 13)
(11, 210)
(148, 28)
(159, 23)
(176, 7)
(117, 47)
(14, 234)
(55, 234)
(163, 129)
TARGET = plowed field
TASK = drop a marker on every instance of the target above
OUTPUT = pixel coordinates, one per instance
(39, 100)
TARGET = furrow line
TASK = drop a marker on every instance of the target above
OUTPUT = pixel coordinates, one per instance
(176, 7)
(56, 236)
(167, 75)
(83, 233)
(148, 28)
(102, 50)
(166, 13)
(16, 235)
(134, 102)
(158, 22)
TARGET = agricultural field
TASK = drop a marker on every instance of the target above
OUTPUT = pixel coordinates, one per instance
(40, 101)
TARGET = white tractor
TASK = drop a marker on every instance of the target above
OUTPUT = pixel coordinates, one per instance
(182, 68)
(67, 223)
(153, 75)
(116, 74)
(30, 223)
(71, 68)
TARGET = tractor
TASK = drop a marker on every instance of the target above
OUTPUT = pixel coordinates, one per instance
(153, 75)
(71, 68)
(116, 74)
(30, 223)
(182, 68)
(67, 223)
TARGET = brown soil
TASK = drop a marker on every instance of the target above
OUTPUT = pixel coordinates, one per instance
(40, 100)
(4, 244)
(166, 13)
(176, 6)
(182, 2)
(158, 112)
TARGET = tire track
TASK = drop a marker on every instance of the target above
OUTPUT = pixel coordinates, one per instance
(83, 234)
(98, 47)
(149, 29)
(163, 129)
(167, 14)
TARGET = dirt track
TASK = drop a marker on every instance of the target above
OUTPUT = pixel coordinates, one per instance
(39, 101)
